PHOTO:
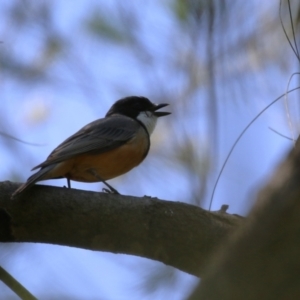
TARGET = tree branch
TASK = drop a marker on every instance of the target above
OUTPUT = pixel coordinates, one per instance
(15, 286)
(174, 233)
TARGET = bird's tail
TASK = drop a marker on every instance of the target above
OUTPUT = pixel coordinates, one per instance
(38, 176)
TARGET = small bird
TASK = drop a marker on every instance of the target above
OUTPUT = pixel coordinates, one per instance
(105, 148)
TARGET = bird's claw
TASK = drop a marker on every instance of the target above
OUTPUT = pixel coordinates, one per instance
(110, 191)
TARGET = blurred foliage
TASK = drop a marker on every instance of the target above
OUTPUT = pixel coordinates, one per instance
(102, 27)
(204, 57)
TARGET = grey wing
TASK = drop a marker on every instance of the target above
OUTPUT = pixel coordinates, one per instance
(97, 137)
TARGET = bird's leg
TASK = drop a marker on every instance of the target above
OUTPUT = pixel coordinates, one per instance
(68, 183)
(111, 189)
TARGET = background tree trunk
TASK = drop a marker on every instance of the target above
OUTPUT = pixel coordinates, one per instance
(262, 261)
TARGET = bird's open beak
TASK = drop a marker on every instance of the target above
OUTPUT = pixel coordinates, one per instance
(160, 113)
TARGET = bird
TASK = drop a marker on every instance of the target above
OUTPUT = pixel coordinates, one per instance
(105, 148)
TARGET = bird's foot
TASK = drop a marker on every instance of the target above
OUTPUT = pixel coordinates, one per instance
(110, 190)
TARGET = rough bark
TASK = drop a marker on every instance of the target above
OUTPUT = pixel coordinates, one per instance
(174, 233)
(262, 259)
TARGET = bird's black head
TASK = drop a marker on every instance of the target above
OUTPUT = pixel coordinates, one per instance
(132, 106)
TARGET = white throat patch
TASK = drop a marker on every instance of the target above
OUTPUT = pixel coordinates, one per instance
(148, 119)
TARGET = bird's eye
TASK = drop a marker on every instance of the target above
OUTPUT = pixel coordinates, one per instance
(137, 106)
